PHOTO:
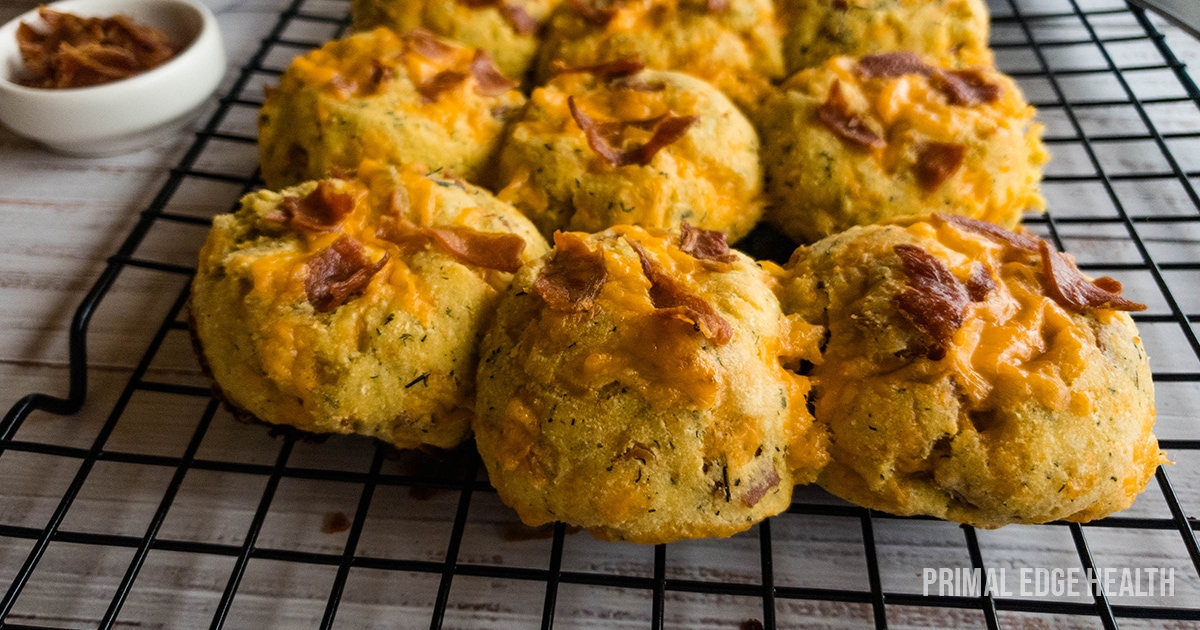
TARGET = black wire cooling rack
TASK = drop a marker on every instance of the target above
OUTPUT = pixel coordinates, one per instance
(1123, 197)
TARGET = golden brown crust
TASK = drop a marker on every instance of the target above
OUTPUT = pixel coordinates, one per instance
(389, 353)
(377, 95)
(635, 419)
(857, 142)
(654, 149)
(1027, 413)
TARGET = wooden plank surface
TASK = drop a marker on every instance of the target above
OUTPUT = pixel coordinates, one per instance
(61, 218)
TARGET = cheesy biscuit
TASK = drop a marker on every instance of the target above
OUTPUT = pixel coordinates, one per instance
(633, 385)
(863, 140)
(356, 305)
(733, 45)
(953, 32)
(973, 374)
(380, 96)
(612, 145)
(507, 29)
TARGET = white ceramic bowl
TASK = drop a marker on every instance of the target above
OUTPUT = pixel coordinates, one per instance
(128, 114)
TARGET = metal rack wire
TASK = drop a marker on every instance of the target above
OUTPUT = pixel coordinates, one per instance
(1028, 44)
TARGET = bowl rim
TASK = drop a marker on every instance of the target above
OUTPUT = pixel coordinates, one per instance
(207, 23)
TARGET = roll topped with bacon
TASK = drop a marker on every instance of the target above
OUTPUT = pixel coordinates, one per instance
(612, 144)
(633, 384)
(380, 96)
(954, 32)
(973, 374)
(507, 29)
(732, 45)
(357, 305)
(863, 140)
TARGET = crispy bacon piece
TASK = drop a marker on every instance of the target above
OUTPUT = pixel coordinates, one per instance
(337, 272)
(489, 81)
(79, 51)
(1074, 292)
(935, 300)
(517, 17)
(705, 244)
(380, 74)
(319, 211)
(760, 487)
(667, 129)
(609, 69)
(893, 64)
(965, 87)
(937, 162)
(428, 45)
(716, 6)
(980, 283)
(671, 301)
(431, 90)
(490, 250)
(522, 22)
(835, 114)
(990, 230)
(592, 13)
(841, 5)
(572, 278)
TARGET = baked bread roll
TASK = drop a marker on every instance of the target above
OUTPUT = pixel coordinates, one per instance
(732, 45)
(973, 374)
(613, 145)
(506, 29)
(954, 32)
(357, 305)
(380, 96)
(632, 384)
(862, 141)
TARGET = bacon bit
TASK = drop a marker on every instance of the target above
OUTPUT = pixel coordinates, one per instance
(937, 162)
(572, 278)
(380, 74)
(671, 301)
(990, 230)
(980, 283)
(841, 5)
(489, 81)
(705, 244)
(717, 6)
(81, 51)
(490, 250)
(1074, 291)
(836, 115)
(667, 129)
(761, 487)
(593, 14)
(1112, 285)
(428, 45)
(609, 69)
(893, 64)
(319, 211)
(965, 87)
(431, 91)
(336, 273)
(522, 22)
(935, 300)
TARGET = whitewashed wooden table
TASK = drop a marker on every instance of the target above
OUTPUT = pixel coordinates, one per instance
(60, 220)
